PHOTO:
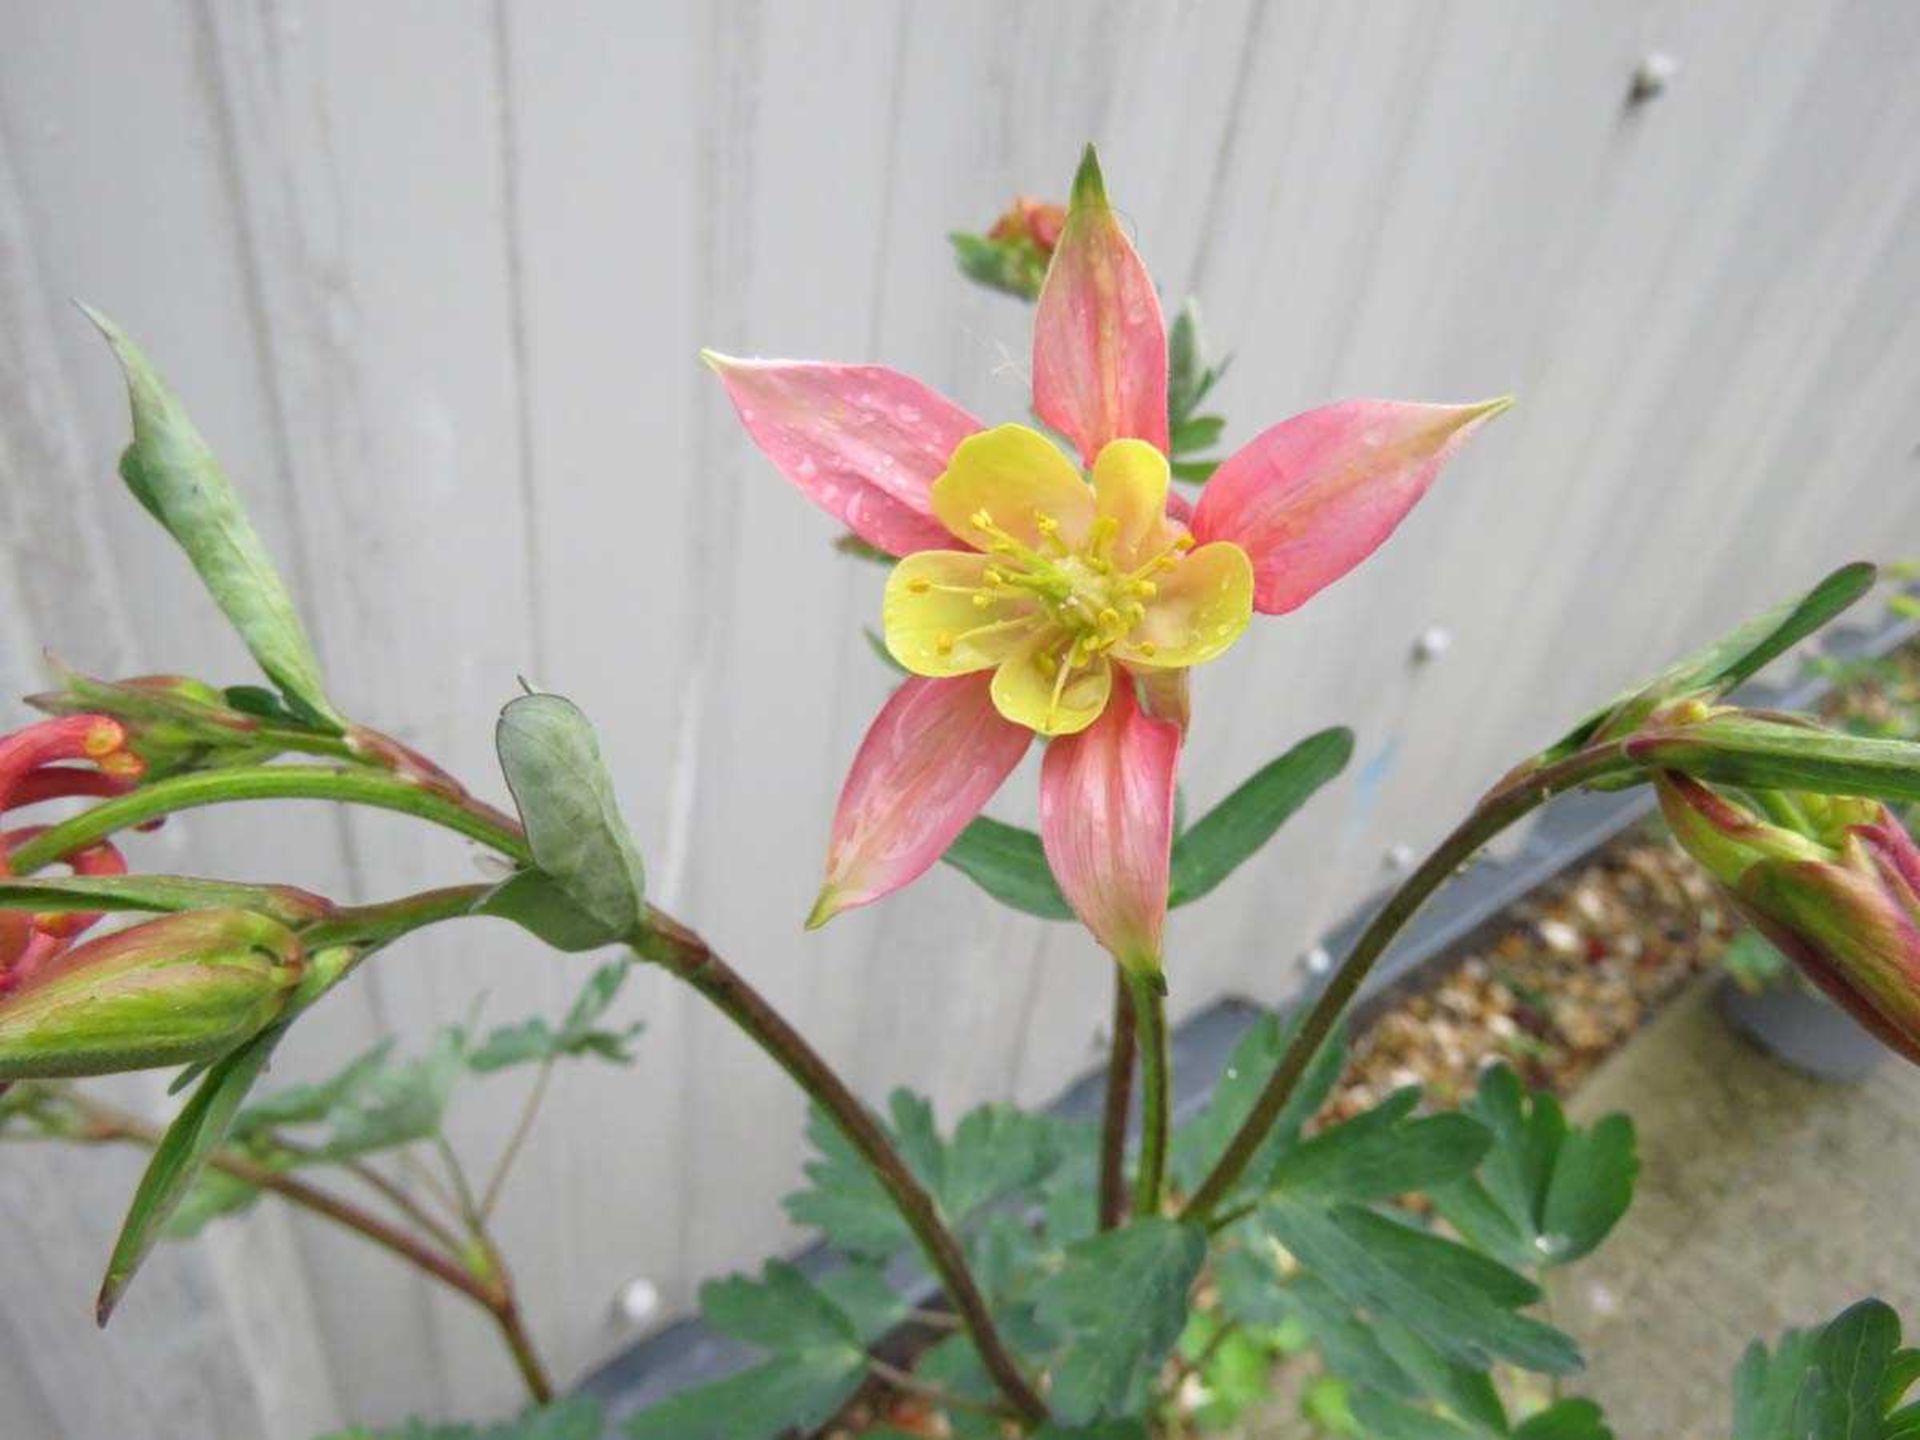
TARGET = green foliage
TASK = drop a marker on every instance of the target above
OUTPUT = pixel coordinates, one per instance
(377, 1103)
(1381, 1153)
(1844, 1380)
(1202, 1140)
(1761, 753)
(1119, 1300)
(1014, 267)
(1231, 833)
(154, 894)
(997, 1154)
(577, 1035)
(1189, 380)
(1713, 671)
(179, 1158)
(816, 1358)
(1462, 1303)
(173, 474)
(587, 886)
(1010, 864)
(1549, 1192)
(576, 1418)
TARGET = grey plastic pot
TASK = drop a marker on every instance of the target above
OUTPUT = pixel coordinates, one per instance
(1803, 1029)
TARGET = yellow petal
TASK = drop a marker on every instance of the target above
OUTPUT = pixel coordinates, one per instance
(1028, 691)
(1017, 476)
(933, 625)
(1202, 605)
(1130, 489)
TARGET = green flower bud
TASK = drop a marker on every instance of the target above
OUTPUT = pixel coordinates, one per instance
(175, 990)
(1832, 881)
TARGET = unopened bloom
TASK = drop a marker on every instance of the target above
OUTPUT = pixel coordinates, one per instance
(74, 755)
(1832, 881)
(171, 991)
(1037, 597)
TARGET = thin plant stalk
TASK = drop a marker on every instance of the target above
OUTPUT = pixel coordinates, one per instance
(1119, 1103)
(493, 1293)
(1156, 1086)
(670, 944)
(1508, 803)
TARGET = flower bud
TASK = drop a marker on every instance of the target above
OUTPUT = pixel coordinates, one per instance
(1832, 881)
(173, 723)
(183, 988)
(1013, 255)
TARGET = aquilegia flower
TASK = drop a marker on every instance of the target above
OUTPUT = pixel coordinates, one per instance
(1032, 600)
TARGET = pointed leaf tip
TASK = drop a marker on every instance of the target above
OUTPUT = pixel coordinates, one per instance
(826, 905)
(1089, 186)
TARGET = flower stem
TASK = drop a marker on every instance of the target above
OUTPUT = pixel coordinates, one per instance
(104, 1124)
(1511, 800)
(458, 812)
(670, 944)
(1113, 1117)
(1156, 1100)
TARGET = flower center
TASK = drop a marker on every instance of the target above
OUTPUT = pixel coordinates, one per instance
(1078, 593)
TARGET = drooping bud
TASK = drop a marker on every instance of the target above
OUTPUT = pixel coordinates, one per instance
(183, 988)
(173, 723)
(1012, 256)
(1832, 881)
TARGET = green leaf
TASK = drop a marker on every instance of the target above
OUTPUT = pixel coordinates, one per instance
(1463, 1304)
(1106, 1430)
(1548, 1192)
(1382, 1153)
(1195, 472)
(395, 1104)
(1120, 1300)
(1713, 671)
(997, 1154)
(1852, 1356)
(1766, 754)
(1199, 432)
(780, 1312)
(536, 1042)
(817, 1361)
(195, 1133)
(785, 1394)
(213, 1194)
(171, 472)
(1202, 1140)
(1565, 1420)
(310, 1104)
(1229, 834)
(1009, 864)
(579, 841)
(578, 1417)
(1382, 1418)
(156, 894)
(1766, 1387)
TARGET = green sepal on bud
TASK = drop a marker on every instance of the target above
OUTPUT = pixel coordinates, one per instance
(177, 990)
(173, 722)
(1832, 881)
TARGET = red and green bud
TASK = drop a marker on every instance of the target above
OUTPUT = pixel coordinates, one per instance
(1832, 881)
(172, 991)
(173, 723)
(1013, 255)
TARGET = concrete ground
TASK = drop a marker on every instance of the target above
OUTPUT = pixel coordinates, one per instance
(1765, 1200)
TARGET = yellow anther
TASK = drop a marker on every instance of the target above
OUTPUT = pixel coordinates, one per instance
(919, 587)
(982, 518)
(992, 576)
(123, 765)
(1146, 589)
(1109, 618)
(103, 739)
(1045, 663)
(1183, 544)
(982, 599)
(943, 642)
(1044, 522)
(1136, 612)
(1149, 649)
